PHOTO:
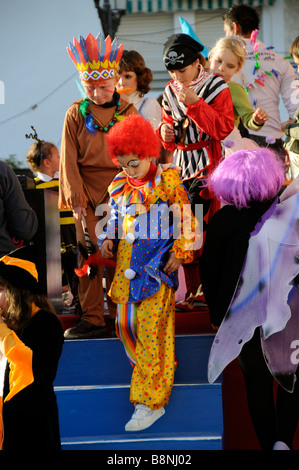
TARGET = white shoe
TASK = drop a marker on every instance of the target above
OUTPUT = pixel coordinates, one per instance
(143, 417)
(279, 445)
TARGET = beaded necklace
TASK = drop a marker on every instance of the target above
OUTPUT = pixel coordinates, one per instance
(93, 124)
(258, 78)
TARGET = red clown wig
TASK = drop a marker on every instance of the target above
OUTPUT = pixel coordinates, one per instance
(133, 135)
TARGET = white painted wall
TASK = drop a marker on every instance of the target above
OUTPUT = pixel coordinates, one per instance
(291, 21)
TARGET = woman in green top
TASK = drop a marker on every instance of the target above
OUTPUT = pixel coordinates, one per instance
(226, 59)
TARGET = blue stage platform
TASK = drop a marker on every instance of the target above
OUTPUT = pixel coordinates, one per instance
(92, 388)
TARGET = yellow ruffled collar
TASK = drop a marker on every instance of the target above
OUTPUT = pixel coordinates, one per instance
(123, 193)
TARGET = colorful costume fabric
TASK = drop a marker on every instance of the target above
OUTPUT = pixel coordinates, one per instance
(96, 58)
(273, 78)
(144, 233)
(29, 407)
(265, 296)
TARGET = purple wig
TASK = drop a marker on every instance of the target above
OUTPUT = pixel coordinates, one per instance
(246, 176)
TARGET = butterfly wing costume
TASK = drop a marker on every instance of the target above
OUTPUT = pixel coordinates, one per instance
(266, 297)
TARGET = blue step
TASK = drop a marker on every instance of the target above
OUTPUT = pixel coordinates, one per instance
(192, 415)
(103, 361)
(93, 387)
(166, 443)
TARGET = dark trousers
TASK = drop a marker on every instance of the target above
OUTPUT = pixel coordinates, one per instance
(193, 187)
(272, 422)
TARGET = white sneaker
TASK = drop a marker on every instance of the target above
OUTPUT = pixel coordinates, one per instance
(279, 445)
(143, 417)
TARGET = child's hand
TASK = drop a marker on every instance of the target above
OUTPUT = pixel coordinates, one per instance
(283, 124)
(260, 116)
(167, 132)
(172, 264)
(107, 248)
(187, 96)
(78, 211)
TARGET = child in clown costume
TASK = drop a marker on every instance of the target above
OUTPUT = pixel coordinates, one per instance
(148, 257)
(85, 167)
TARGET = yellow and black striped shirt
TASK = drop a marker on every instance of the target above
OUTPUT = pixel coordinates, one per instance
(66, 215)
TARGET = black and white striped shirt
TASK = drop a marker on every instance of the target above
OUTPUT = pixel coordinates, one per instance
(191, 161)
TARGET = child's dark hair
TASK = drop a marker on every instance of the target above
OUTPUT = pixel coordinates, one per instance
(20, 302)
(132, 61)
(37, 152)
(201, 59)
(244, 15)
(294, 49)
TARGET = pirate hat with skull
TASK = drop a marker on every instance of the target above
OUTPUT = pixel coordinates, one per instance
(180, 50)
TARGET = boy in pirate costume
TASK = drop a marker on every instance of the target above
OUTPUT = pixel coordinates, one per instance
(85, 167)
(197, 114)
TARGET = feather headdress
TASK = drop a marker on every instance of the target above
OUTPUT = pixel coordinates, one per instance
(95, 58)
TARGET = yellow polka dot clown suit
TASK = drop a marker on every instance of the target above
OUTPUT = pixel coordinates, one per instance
(144, 233)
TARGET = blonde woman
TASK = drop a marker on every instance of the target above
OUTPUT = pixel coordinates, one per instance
(226, 59)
